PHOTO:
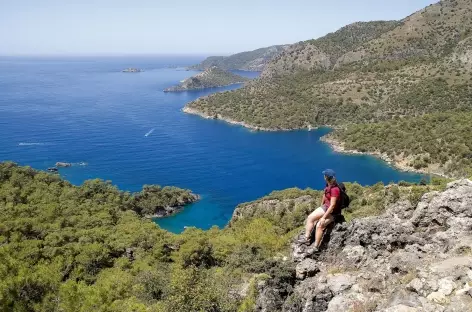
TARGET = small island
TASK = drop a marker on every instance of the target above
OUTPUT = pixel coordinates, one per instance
(210, 78)
(131, 70)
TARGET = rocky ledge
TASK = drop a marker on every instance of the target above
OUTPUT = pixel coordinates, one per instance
(410, 259)
(210, 78)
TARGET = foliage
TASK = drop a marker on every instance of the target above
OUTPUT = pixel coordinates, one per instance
(251, 60)
(442, 138)
(210, 78)
(68, 248)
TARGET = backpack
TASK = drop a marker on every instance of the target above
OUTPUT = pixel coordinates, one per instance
(344, 200)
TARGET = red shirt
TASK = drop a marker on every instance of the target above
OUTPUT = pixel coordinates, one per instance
(331, 191)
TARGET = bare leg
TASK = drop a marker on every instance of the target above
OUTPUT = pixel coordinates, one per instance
(310, 221)
(320, 229)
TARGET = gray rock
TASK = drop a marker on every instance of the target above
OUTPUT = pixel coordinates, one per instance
(415, 285)
(460, 304)
(340, 282)
(446, 286)
(347, 302)
(404, 262)
(401, 308)
(306, 268)
(427, 248)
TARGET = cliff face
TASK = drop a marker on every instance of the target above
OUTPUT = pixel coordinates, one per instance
(250, 61)
(411, 258)
(210, 78)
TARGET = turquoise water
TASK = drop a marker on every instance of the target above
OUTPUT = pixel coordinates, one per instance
(86, 110)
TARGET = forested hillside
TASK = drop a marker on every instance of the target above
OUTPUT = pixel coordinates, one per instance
(68, 248)
(363, 73)
(210, 78)
(251, 60)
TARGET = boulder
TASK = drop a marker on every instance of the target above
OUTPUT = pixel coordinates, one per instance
(306, 268)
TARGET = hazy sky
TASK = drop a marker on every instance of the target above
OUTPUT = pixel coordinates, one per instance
(178, 26)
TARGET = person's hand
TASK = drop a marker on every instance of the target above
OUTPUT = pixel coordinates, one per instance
(322, 221)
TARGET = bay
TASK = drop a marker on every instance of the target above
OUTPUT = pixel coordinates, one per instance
(121, 127)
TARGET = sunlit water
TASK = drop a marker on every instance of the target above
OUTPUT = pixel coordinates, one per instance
(121, 127)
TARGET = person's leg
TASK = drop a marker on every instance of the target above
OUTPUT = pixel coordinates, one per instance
(320, 230)
(311, 219)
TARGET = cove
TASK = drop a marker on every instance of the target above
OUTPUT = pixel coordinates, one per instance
(125, 129)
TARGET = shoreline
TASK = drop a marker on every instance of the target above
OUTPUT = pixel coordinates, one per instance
(398, 163)
(171, 89)
(193, 111)
(173, 210)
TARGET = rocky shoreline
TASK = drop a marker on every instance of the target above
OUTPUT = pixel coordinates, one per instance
(194, 111)
(400, 163)
(180, 89)
(172, 210)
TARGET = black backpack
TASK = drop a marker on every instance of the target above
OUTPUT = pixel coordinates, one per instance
(344, 200)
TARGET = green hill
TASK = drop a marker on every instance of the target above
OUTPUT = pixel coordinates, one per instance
(86, 248)
(363, 73)
(210, 78)
(251, 61)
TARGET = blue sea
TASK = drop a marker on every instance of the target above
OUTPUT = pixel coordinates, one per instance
(122, 127)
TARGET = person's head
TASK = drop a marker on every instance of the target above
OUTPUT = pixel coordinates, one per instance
(329, 176)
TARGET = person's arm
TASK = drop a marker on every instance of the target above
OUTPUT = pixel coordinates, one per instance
(332, 204)
(335, 193)
(322, 200)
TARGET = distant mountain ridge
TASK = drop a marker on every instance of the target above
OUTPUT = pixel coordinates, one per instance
(250, 61)
(210, 78)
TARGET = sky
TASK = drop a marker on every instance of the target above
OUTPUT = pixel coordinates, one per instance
(216, 27)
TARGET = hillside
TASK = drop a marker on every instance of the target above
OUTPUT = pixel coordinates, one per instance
(363, 73)
(210, 78)
(68, 248)
(436, 143)
(250, 61)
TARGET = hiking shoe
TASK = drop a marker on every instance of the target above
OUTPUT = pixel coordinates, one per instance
(304, 241)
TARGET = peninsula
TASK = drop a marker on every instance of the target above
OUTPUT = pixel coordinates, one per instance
(210, 78)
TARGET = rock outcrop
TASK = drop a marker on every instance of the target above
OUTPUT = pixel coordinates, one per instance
(60, 164)
(131, 70)
(408, 259)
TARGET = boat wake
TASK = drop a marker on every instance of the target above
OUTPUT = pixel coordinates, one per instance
(149, 132)
(32, 144)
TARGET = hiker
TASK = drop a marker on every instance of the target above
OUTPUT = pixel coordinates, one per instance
(325, 214)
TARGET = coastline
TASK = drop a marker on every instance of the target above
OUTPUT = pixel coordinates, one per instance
(193, 111)
(170, 211)
(171, 89)
(400, 163)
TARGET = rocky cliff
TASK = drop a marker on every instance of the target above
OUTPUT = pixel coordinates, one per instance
(411, 258)
(210, 78)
